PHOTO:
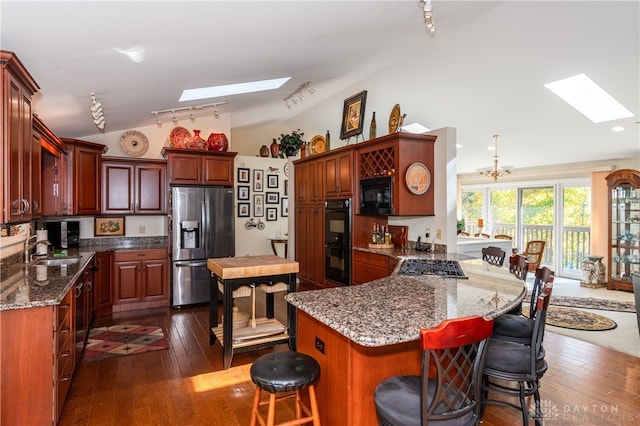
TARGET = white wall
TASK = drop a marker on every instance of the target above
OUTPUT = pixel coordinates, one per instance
(252, 242)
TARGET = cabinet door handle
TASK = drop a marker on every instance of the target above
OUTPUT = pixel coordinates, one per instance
(64, 331)
(65, 354)
(25, 203)
(65, 378)
(65, 306)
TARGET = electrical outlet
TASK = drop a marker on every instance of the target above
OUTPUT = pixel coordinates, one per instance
(439, 234)
(428, 233)
(141, 229)
(319, 345)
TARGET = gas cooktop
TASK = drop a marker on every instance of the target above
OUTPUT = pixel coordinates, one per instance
(433, 267)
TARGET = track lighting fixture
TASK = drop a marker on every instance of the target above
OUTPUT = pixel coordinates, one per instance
(97, 112)
(428, 15)
(297, 95)
(191, 109)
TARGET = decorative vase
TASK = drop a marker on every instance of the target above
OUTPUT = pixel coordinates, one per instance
(290, 151)
(594, 272)
(264, 151)
(275, 149)
(196, 142)
(218, 142)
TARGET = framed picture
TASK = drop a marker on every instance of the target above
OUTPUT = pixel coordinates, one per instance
(258, 184)
(109, 226)
(272, 214)
(258, 205)
(284, 207)
(273, 197)
(244, 209)
(243, 175)
(243, 192)
(353, 115)
(286, 187)
(272, 181)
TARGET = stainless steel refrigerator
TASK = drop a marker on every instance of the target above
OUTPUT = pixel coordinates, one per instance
(201, 227)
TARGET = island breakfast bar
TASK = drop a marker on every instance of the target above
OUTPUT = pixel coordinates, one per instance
(240, 277)
(364, 334)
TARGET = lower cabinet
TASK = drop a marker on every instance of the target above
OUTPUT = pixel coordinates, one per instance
(102, 294)
(371, 266)
(37, 354)
(140, 279)
(310, 242)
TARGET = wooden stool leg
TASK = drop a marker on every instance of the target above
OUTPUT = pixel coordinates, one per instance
(271, 416)
(314, 405)
(298, 405)
(254, 407)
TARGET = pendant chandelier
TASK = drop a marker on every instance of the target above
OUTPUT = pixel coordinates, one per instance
(496, 171)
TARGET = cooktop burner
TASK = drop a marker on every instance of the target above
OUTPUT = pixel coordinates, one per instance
(435, 267)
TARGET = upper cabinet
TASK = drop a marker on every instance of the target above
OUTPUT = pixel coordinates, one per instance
(20, 166)
(83, 177)
(624, 228)
(133, 186)
(339, 175)
(191, 167)
(54, 157)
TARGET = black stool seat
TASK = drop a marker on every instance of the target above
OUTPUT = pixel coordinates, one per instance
(285, 371)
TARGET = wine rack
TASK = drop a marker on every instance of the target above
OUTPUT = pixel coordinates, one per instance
(377, 163)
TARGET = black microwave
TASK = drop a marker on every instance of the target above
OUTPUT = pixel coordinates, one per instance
(376, 196)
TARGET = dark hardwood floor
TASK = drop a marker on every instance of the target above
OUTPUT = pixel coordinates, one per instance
(187, 385)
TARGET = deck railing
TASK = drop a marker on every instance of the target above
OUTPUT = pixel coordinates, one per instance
(575, 242)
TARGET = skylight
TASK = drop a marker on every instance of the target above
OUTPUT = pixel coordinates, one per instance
(589, 99)
(232, 89)
(416, 128)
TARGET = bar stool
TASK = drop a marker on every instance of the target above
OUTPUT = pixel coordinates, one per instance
(280, 372)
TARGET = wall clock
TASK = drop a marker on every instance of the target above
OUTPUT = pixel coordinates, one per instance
(418, 178)
(134, 143)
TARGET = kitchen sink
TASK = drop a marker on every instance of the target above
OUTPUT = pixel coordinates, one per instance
(58, 261)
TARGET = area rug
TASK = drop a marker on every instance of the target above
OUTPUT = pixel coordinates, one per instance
(124, 339)
(576, 319)
(592, 303)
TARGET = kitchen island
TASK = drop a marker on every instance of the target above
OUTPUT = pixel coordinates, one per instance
(363, 334)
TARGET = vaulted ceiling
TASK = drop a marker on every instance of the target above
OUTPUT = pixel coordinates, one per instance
(512, 49)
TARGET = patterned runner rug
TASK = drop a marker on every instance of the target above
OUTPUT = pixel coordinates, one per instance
(591, 303)
(125, 339)
(575, 319)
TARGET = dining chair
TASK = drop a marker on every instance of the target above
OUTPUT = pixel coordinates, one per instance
(493, 255)
(513, 370)
(519, 266)
(533, 252)
(517, 327)
(503, 237)
(483, 235)
(447, 391)
(463, 234)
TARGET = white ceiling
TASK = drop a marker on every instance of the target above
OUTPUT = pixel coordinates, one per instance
(498, 55)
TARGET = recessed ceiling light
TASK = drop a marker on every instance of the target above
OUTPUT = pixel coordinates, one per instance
(617, 129)
(232, 89)
(588, 98)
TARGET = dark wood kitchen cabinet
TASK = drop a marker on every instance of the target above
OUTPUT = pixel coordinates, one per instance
(140, 279)
(339, 175)
(53, 169)
(189, 167)
(309, 220)
(83, 177)
(371, 266)
(38, 359)
(133, 186)
(102, 291)
(20, 167)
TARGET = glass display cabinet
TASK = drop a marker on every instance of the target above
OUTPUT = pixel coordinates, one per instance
(624, 228)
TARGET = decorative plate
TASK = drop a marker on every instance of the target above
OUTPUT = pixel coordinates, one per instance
(318, 144)
(286, 168)
(134, 143)
(179, 137)
(418, 178)
(394, 118)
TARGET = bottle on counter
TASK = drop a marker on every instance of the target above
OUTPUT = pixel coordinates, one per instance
(328, 140)
(374, 237)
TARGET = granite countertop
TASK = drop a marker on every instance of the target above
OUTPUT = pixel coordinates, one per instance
(32, 285)
(392, 310)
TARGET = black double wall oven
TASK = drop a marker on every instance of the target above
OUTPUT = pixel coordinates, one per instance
(337, 237)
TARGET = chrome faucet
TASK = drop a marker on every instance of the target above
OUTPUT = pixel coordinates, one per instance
(28, 247)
